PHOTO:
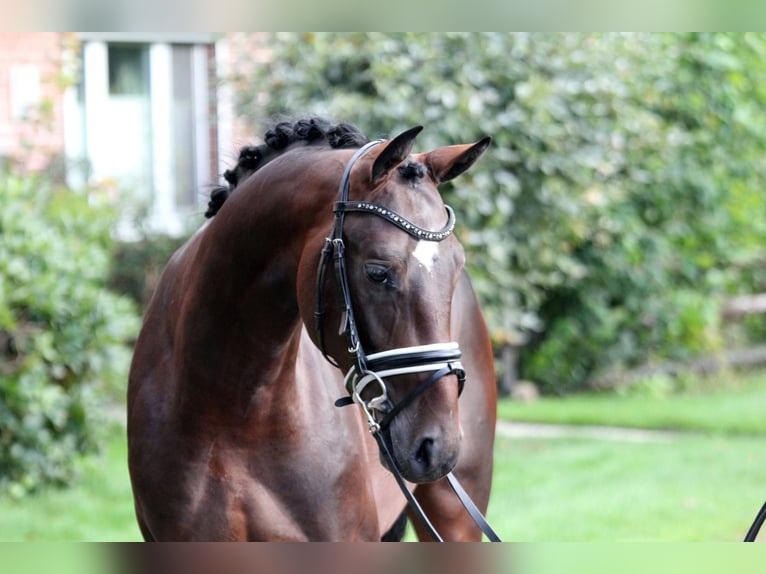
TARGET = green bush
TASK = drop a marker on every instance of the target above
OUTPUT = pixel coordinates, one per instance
(62, 334)
(621, 199)
(137, 265)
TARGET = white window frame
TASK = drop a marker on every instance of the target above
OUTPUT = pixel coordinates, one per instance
(84, 140)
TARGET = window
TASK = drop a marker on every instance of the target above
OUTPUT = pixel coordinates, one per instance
(183, 126)
(146, 129)
(128, 70)
(25, 90)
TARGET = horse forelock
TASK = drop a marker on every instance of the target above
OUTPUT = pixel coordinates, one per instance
(412, 170)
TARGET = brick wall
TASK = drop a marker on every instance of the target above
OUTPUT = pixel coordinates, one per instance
(31, 103)
(246, 51)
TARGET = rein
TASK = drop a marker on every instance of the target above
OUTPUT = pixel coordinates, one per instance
(760, 518)
(440, 359)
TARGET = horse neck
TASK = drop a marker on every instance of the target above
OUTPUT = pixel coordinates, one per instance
(240, 293)
(270, 219)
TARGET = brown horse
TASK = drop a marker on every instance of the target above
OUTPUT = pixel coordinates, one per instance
(232, 431)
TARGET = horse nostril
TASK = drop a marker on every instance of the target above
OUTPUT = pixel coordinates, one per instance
(424, 454)
(430, 459)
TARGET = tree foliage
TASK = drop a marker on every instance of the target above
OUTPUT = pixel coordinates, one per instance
(621, 198)
(62, 334)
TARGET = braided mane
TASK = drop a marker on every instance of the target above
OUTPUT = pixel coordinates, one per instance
(277, 140)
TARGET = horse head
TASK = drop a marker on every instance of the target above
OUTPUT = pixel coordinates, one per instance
(391, 294)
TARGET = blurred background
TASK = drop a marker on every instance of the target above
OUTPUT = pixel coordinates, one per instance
(615, 233)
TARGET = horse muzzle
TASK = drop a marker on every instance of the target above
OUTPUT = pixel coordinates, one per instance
(424, 453)
(421, 454)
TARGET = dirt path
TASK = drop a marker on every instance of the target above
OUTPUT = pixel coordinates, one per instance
(533, 430)
(538, 430)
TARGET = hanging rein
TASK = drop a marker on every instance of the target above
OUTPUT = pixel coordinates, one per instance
(440, 359)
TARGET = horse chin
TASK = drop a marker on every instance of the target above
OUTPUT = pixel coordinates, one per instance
(418, 476)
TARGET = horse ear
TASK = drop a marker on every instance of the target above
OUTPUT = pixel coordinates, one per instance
(395, 152)
(448, 162)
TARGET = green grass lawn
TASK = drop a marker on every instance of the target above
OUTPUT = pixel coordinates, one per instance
(735, 405)
(705, 485)
(693, 488)
(98, 508)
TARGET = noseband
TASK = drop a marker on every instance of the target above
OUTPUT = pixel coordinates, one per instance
(441, 359)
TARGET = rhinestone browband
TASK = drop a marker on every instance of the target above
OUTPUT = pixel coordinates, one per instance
(401, 222)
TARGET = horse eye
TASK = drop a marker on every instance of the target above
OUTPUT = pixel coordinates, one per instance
(378, 273)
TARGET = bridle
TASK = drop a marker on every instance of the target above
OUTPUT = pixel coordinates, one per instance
(442, 358)
(370, 371)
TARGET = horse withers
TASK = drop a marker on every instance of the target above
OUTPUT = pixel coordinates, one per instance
(232, 432)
